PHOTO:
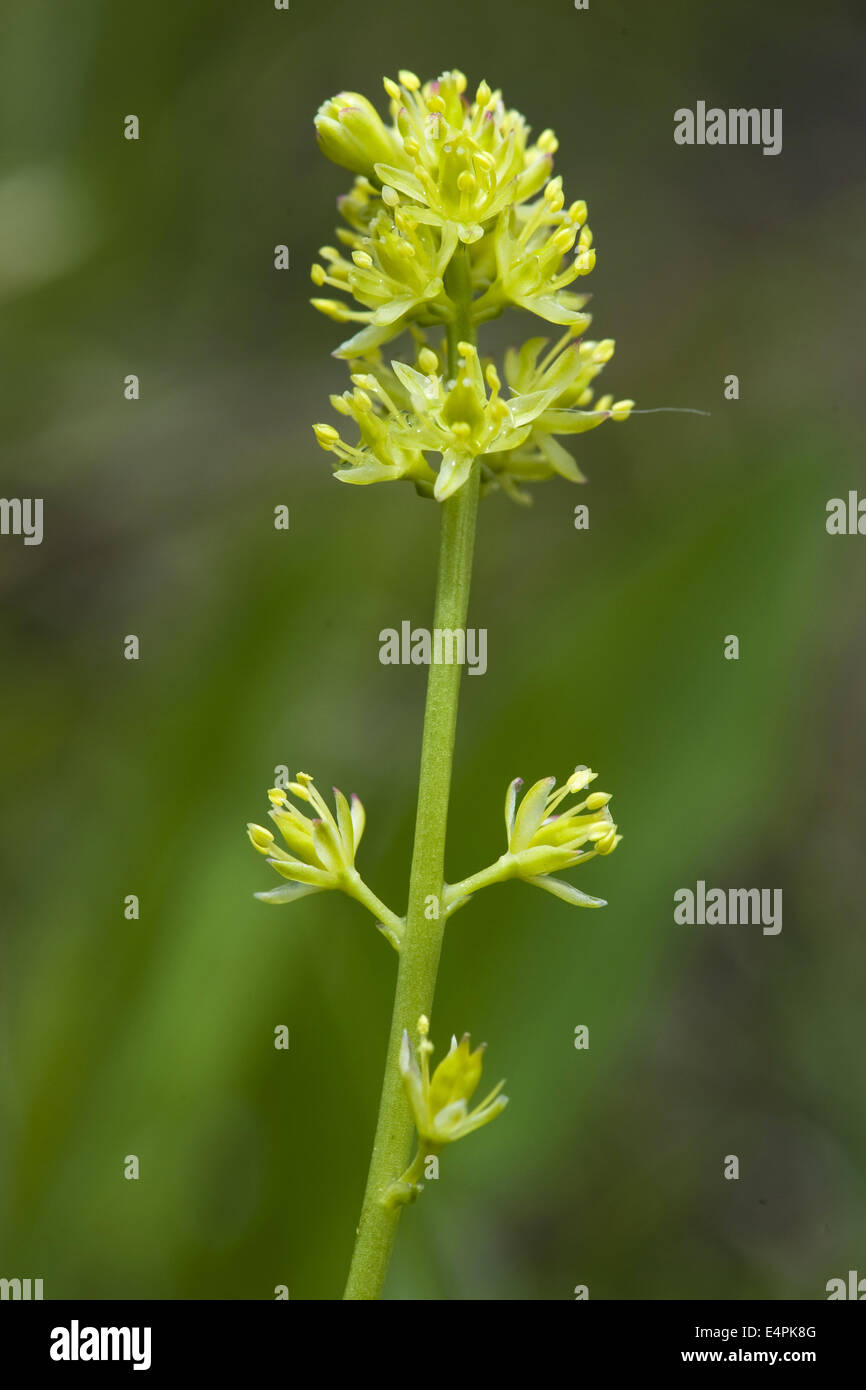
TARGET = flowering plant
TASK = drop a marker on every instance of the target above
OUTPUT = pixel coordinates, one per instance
(454, 215)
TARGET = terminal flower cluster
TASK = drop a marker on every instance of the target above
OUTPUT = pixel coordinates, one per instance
(446, 171)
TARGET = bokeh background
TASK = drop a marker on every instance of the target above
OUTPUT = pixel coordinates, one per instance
(258, 647)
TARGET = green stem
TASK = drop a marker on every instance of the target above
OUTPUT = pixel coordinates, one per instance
(422, 937)
(504, 868)
(362, 893)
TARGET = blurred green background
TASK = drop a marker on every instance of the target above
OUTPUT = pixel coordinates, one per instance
(260, 647)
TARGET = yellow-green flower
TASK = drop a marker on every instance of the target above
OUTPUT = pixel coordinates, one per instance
(531, 243)
(395, 268)
(463, 162)
(404, 413)
(567, 370)
(455, 419)
(382, 455)
(542, 840)
(459, 420)
(444, 170)
(440, 1104)
(452, 169)
(320, 850)
(459, 162)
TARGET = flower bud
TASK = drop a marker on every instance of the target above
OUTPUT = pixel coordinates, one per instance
(440, 1103)
(352, 133)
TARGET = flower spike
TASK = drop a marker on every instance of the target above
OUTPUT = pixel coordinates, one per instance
(454, 217)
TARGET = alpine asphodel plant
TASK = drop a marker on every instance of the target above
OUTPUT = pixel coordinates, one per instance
(454, 216)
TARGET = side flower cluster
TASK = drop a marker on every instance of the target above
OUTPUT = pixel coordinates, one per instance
(320, 850)
(440, 1103)
(543, 839)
